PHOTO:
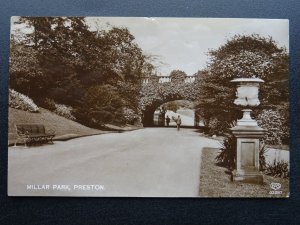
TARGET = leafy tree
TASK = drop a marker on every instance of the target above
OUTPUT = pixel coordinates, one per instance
(61, 59)
(242, 56)
(26, 75)
(53, 39)
(173, 106)
(102, 105)
(125, 54)
(178, 76)
(40, 26)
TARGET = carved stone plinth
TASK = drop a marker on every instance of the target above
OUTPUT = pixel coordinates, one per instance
(247, 155)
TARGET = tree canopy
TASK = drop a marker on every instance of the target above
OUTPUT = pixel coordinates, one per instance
(242, 56)
(63, 60)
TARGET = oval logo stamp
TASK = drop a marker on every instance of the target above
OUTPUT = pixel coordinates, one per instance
(275, 186)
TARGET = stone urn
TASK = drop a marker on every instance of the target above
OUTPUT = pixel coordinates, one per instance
(247, 132)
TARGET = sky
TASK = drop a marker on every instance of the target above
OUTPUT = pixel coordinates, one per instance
(183, 43)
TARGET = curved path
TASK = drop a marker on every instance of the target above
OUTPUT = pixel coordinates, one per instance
(151, 162)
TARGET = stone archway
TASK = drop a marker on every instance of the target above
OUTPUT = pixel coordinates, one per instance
(148, 114)
(162, 90)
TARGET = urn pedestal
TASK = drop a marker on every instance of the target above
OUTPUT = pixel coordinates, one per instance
(247, 154)
(247, 133)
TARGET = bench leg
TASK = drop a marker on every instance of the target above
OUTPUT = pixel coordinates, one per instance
(51, 139)
(25, 142)
(16, 142)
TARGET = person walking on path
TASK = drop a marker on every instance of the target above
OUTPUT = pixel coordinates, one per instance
(178, 123)
(168, 121)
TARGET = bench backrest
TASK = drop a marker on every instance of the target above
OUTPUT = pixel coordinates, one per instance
(31, 128)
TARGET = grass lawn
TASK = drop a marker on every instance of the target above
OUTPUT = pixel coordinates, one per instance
(215, 182)
(64, 128)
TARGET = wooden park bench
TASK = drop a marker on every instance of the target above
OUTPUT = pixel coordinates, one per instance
(33, 133)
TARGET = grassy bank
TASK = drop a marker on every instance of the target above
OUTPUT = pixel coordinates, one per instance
(64, 128)
(215, 182)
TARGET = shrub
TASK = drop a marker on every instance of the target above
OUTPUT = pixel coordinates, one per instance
(262, 158)
(49, 104)
(278, 169)
(103, 105)
(59, 109)
(131, 117)
(65, 111)
(217, 127)
(20, 101)
(273, 122)
(227, 154)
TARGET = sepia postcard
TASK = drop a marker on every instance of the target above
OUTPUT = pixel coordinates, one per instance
(148, 107)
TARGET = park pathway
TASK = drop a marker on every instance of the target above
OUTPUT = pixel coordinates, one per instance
(154, 162)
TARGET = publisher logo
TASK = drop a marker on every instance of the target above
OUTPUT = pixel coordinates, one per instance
(276, 187)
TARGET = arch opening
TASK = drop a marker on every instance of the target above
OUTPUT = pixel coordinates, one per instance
(165, 114)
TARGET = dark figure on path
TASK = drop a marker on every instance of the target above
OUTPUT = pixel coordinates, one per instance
(168, 121)
(178, 123)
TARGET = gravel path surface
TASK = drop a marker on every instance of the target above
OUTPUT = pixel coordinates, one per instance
(151, 162)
